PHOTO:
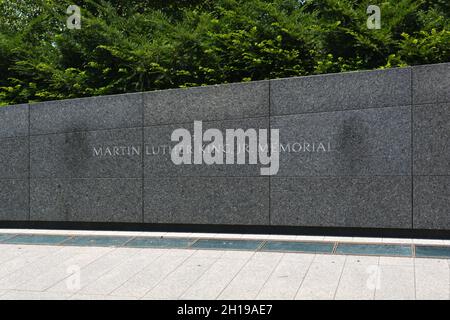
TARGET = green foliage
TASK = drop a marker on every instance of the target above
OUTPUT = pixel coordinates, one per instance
(129, 46)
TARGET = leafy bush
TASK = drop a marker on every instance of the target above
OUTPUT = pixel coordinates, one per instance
(129, 46)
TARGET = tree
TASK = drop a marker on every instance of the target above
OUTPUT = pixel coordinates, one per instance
(129, 46)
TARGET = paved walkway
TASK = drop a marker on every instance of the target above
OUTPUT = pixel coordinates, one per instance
(72, 272)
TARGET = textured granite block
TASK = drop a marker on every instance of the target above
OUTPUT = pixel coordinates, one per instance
(13, 199)
(88, 154)
(353, 90)
(107, 112)
(14, 158)
(432, 202)
(238, 201)
(14, 121)
(431, 139)
(375, 202)
(431, 83)
(220, 102)
(344, 143)
(86, 200)
(157, 159)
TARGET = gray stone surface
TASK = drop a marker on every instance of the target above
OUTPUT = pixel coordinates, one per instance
(86, 200)
(346, 143)
(157, 159)
(217, 200)
(13, 199)
(376, 202)
(431, 83)
(14, 121)
(107, 112)
(353, 90)
(431, 139)
(364, 180)
(14, 158)
(73, 155)
(220, 102)
(432, 202)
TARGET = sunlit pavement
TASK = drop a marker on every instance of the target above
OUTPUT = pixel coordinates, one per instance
(30, 271)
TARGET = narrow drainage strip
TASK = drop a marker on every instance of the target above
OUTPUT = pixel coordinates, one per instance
(190, 246)
(390, 250)
(62, 242)
(35, 239)
(315, 247)
(432, 251)
(261, 246)
(335, 247)
(228, 244)
(125, 243)
(99, 241)
(6, 236)
(436, 251)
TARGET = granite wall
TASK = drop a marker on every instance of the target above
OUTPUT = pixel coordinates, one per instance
(385, 161)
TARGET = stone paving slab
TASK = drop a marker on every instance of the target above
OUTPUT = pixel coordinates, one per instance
(149, 273)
